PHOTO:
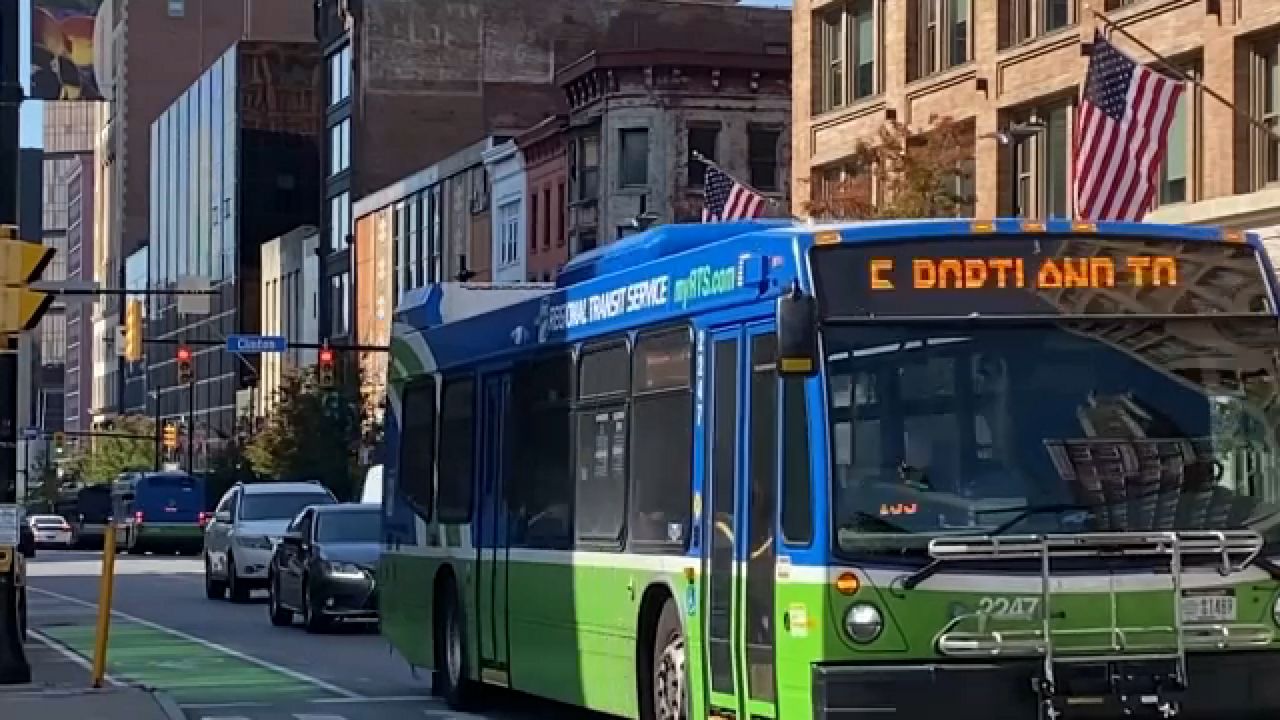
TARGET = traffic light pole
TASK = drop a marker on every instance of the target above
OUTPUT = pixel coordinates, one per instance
(191, 427)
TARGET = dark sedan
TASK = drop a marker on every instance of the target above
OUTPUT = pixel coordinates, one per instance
(325, 567)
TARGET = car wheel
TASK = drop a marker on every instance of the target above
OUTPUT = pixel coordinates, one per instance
(213, 589)
(280, 616)
(235, 586)
(313, 619)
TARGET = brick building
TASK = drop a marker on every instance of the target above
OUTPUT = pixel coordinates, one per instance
(546, 167)
(995, 62)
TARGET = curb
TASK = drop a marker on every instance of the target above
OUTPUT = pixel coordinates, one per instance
(168, 705)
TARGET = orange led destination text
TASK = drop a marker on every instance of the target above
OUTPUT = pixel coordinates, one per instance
(1012, 272)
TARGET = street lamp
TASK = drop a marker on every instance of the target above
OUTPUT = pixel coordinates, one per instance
(1010, 136)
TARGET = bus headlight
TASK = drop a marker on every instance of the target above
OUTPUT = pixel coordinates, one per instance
(863, 623)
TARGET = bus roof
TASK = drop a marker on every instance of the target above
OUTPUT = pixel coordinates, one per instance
(673, 271)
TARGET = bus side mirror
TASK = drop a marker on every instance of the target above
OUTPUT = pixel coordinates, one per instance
(797, 334)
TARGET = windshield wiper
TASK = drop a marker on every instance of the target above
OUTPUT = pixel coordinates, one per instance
(914, 579)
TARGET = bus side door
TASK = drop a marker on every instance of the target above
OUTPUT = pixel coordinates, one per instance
(491, 581)
(739, 557)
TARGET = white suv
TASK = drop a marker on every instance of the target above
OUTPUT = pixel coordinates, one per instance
(247, 523)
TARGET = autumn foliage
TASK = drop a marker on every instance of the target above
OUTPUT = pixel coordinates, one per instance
(901, 174)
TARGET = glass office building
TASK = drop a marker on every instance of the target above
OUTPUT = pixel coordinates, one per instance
(234, 163)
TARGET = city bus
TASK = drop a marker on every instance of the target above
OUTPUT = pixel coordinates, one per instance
(936, 468)
(157, 511)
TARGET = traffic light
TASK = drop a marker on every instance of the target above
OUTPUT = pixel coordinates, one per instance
(170, 435)
(186, 375)
(324, 369)
(133, 331)
(59, 442)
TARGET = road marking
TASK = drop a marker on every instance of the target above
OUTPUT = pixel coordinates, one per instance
(309, 716)
(69, 654)
(289, 672)
(222, 705)
(376, 699)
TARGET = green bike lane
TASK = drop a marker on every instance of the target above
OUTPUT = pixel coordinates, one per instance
(190, 672)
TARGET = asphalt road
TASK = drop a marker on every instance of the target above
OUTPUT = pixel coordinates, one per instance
(225, 661)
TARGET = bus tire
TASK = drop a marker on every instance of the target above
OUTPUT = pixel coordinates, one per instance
(669, 680)
(450, 678)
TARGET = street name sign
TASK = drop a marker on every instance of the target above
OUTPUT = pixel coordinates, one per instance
(255, 344)
(8, 524)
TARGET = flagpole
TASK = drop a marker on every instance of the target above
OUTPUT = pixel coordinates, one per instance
(710, 163)
(1181, 75)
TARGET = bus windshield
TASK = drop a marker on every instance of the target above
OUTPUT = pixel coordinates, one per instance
(1053, 426)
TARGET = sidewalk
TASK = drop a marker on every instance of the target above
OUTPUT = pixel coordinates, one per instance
(60, 691)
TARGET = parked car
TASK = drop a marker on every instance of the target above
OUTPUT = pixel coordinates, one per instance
(247, 523)
(325, 566)
(51, 531)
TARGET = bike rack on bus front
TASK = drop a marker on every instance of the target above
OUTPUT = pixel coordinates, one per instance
(1233, 550)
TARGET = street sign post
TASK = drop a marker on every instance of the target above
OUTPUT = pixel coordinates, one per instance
(255, 344)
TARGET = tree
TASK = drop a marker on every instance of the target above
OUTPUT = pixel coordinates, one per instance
(106, 456)
(903, 174)
(313, 433)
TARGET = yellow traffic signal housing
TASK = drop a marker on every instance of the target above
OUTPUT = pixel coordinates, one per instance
(21, 263)
(133, 331)
(170, 435)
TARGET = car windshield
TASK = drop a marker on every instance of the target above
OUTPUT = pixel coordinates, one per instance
(355, 526)
(279, 506)
(1092, 426)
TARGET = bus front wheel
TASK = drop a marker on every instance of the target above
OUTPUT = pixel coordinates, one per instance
(451, 653)
(668, 686)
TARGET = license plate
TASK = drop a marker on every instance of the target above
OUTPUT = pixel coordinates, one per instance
(1209, 608)
(49, 536)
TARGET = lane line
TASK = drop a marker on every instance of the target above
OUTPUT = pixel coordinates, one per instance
(223, 705)
(68, 653)
(290, 672)
(374, 699)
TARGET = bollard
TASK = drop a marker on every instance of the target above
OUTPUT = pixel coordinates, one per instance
(105, 588)
(14, 669)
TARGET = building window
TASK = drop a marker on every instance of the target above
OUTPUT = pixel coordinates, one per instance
(703, 140)
(633, 156)
(339, 219)
(509, 233)
(177, 8)
(1179, 173)
(559, 211)
(1266, 100)
(1042, 162)
(762, 155)
(586, 167)
(1023, 20)
(340, 75)
(848, 44)
(546, 218)
(339, 304)
(942, 29)
(340, 147)
(533, 222)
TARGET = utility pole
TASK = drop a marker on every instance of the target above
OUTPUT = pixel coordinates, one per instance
(10, 98)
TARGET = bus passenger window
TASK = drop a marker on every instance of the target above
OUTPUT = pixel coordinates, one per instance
(662, 439)
(600, 419)
(417, 446)
(456, 450)
(539, 485)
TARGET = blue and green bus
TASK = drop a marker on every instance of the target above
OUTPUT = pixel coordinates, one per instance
(947, 468)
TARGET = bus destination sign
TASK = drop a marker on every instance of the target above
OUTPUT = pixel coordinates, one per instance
(1039, 275)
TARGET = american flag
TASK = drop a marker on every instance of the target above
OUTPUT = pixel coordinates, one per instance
(727, 199)
(1125, 113)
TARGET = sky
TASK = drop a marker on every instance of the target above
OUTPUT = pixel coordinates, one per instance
(31, 114)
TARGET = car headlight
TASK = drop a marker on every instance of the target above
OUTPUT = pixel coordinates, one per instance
(256, 542)
(863, 623)
(342, 569)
